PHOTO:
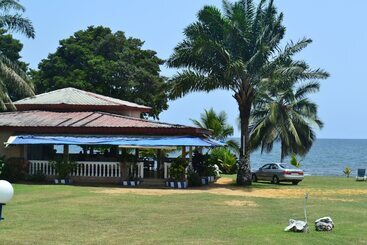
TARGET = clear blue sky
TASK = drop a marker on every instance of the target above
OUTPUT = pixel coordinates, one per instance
(337, 28)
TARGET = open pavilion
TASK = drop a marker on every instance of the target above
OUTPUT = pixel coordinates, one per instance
(58, 122)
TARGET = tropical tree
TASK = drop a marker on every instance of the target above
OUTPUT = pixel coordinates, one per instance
(235, 50)
(284, 113)
(217, 123)
(13, 79)
(105, 62)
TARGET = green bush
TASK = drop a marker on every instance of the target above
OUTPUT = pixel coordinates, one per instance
(193, 177)
(178, 169)
(63, 167)
(37, 177)
(295, 162)
(13, 169)
(225, 160)
(347, 171)
(2, 165)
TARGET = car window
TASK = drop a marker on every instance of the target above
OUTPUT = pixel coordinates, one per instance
(274, 166)
(266, 166)
(286, 166)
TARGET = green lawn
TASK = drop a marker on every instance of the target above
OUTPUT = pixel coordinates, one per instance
(49, 214)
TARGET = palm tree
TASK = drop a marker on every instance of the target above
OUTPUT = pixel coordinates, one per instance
(217, 123)
(15, 21)
(235, 50)
(12, 77)
(284, 113)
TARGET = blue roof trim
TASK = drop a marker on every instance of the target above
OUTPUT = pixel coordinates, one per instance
(126, 141)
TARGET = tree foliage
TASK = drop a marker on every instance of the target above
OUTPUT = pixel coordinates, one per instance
(236, 49)
(217, 123)
(14, 81)
(100, 61)
(283, 113)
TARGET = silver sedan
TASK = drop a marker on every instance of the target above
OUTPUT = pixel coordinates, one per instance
(278, 172)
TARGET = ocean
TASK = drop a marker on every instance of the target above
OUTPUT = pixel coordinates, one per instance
(327, 157)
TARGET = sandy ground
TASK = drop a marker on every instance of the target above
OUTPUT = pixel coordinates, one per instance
(223, 187)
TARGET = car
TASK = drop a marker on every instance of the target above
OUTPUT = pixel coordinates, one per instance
(278, 172)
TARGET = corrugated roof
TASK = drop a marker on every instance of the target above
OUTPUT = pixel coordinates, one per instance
(73, 96)
(88, 120)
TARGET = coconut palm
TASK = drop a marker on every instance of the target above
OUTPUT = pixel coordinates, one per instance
(235, 50)
(284, 113)
(11, 18)
(217, 123)
(12, 77)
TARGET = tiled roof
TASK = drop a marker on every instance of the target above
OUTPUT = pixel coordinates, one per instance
(89, 122)
(73, 96)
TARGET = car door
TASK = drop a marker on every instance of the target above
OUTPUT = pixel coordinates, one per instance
(263, 172)
(268, 172)
(274, 171)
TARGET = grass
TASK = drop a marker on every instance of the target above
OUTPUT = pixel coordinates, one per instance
(45, 214)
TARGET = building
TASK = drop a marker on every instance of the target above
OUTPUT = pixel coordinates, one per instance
(101, 127)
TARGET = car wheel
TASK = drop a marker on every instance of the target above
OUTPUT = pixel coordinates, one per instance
(254, 178)
(275, 180)
(295, 182)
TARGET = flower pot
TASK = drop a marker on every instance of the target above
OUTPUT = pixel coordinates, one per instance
(63, 181)
(177, 184)
(211, 179)
(130, 182)
(204, 180)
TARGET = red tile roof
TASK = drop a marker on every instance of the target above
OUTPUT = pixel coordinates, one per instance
(89, 122)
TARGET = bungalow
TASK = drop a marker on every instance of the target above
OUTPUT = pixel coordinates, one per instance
(101, 127)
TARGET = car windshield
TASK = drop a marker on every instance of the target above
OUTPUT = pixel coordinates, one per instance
(286, 166)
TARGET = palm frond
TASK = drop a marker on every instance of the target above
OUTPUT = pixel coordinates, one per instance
(7, 5)
(17, 23)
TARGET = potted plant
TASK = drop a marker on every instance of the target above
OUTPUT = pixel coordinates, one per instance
(63, 168)
(198, 163)
(177, 173)
(205, 167)
(133, 178)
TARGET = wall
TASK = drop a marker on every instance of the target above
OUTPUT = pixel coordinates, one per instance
(10, 151)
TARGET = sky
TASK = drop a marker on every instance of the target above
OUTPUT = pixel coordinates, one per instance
(336, 27)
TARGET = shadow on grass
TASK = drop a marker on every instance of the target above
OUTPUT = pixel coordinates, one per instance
(230, 185)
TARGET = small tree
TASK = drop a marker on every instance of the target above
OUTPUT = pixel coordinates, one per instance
(347, 171)
(177, 170)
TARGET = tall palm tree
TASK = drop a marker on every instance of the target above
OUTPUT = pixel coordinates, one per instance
(235, 50)
(217, 123)
(12, 77)
(284, 113)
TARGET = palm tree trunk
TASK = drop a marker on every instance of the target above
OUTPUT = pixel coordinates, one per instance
(244, 168)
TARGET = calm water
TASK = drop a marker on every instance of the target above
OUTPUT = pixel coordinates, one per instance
(327, 157)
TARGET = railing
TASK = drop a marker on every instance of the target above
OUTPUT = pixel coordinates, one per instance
(83, 169)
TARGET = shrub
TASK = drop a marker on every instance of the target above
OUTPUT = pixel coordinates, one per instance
(224, 159)
(37, 177)
(2, 165)
(347, 171)
(198, 163)
(193, 177)
(295, 162)
(13, 169)
(63, 167)
(178, 169)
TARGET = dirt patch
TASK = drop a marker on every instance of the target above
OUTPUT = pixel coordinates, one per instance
(224, 181)
(238, 203)
(223, 187)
